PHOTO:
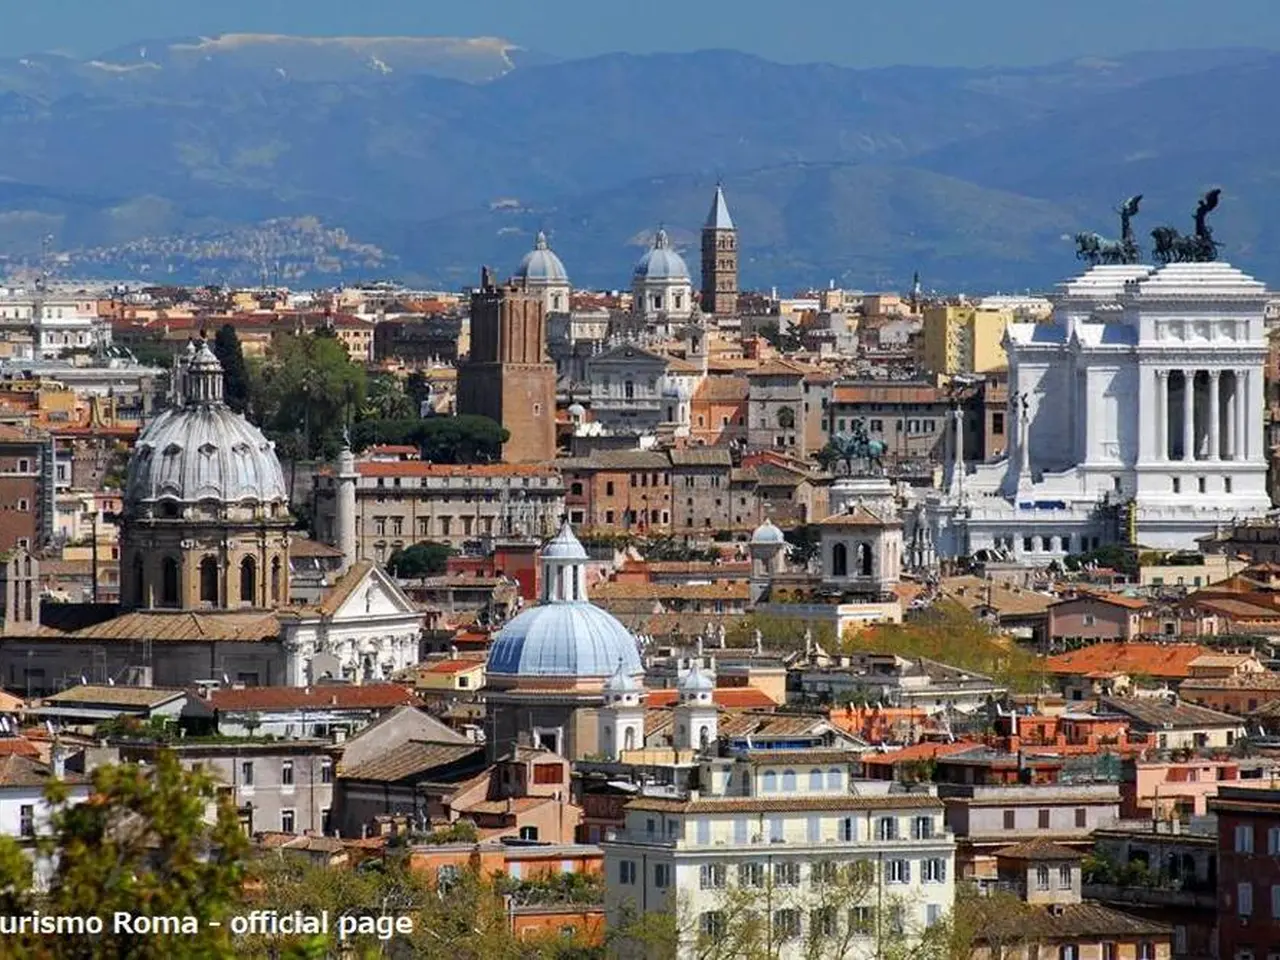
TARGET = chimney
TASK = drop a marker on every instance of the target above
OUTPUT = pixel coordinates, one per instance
(58, 757)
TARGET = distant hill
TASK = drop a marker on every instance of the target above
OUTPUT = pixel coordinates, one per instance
(445, 153)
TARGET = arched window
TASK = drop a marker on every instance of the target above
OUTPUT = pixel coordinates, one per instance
(209, 580)
(139, 588)
(629, 739)
(629, 390)
(248, 581)
(169, 582)
(815, 780)
(770, 781)
(864, 559)
(788, 781)
(1042, 877)
(839, 560)
(275, 580)
(835, 779)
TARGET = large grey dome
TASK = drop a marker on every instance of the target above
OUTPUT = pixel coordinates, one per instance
(541, 264)
(202, 450)
(662, 262)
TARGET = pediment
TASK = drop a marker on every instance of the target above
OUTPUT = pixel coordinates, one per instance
(375, 595)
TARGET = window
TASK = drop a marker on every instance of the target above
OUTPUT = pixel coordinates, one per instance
(1026, 545)
(1244, 899)
(627, 872)
(1082, 818)
(1146, 950)
(932, 914)
(1064, 877)
(835, 779)
(897, 871)
(326, 770)
(1109, 952)
(813, 831)
(248, 581)
(1043, 819)
(1042, 877)
(1226, 484)
(711, 924)
(775, 829)
(1010, 818)
(846, 829)
(711, 876)
(1069, 951)
(862, 921)
(528, 833)
(934, 870)
(1275, 901)
(209, 580)
(704, 831)
(824, 872)
(169, 582)
(770, 781)
(662, 875)
(286, 821)
(1177, 485)
(1244, 838)
(246, 773)
(887, 828)
(922, 828)
(1089, 619)
(786, 923)
(286, 773)
(751, 874)
(740, 830)
(608, 488)
(786, 874)
(822, 922)
(27, 820)
(815, 781)
(788, 781)
(1273, 835)
(897, 920)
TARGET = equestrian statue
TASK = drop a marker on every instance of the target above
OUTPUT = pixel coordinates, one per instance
(1094, 248)
(1173, 247)
(857, 445)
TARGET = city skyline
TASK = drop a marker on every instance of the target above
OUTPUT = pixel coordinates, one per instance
(915, 32)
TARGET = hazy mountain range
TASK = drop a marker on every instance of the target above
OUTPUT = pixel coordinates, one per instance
(429, 156)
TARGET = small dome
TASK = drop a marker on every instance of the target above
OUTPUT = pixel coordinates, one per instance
(564, 546)
(203, 450)
(577, 411)
(695, 681)
(564, 640)
(662, 262)
(622, 682)
(541, 265)
(767, 533)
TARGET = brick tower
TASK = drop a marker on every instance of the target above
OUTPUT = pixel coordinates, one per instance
(719, 260)
(508, 377)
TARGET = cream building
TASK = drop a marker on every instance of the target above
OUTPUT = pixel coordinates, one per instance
(964, 338)
(782, 848)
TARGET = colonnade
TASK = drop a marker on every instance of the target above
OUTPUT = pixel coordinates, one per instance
(1204, 414)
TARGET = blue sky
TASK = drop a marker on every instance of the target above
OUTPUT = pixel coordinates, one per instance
(848, 32)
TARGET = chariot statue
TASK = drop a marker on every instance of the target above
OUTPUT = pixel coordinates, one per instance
(1094, 248)
(1200, 247)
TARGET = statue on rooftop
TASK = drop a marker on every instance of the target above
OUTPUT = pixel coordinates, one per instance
(1173, 247)
(1094, 248)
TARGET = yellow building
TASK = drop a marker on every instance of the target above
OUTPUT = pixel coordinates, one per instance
(964, 339)
(450, 676)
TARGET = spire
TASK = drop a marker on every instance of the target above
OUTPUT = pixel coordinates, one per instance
(718, 218)
(541, 242)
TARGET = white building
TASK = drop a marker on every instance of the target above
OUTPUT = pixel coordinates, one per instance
(60, 321)
(1135, 413)
(782, 848)
(662, 292)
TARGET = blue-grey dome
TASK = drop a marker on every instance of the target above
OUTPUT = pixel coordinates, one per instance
(695, 681)
(767, 532)
(662, 262)
(203, 450)
(541, 264)
(564, 546)
(574, 639)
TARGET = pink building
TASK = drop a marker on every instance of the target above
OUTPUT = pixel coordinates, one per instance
(1165, 788)
(1090, 616)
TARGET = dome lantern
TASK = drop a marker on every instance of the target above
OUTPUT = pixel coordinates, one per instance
(202, 382)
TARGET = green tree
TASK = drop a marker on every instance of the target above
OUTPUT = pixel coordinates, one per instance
(425, 559)
(141, 846)
(803, 543)
(385, 399)
(235, 384)
(306, 391)
(467, 438)
(418, 387)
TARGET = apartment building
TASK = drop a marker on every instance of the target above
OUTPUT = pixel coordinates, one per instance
(839, 867)
(400, 503)
(1248, 878)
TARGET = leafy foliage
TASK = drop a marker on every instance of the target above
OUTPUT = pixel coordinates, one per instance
(386, 399)
(803, 543)
(949, 633)
(302, 395)
(467, 438)
(235, 383)
(675, 549)
(426, 559)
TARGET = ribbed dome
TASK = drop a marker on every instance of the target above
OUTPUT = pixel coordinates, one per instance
(564, 640)
(662, 262)
(541, 264)
(767, 532)
(203, 450)
(564, 546)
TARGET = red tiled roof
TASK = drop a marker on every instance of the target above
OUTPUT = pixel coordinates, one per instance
(339, 696)
(419, 468)
(889, 393)
(731, 698)
(1168, 660)
(918, 751)
(452, 666)
(1116, 599)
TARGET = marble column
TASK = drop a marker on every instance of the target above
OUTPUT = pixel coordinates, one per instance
(1215, 437)
(1162, 415)
(1247, 441)
(1188, 415)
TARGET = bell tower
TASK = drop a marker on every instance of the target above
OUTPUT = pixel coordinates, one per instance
(719, 260)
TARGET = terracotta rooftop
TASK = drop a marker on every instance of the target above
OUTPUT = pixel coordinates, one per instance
(451, 666)
(1068, 922)
(722, 390)
(306, 547)
(423, 468)
(1158, 714)
(1038, 849)
(1115, 599)
(87, 693)
(888, 393)
(414, 757)
(1162, 660)
(334, 696)
(22, 771)
(731, 698)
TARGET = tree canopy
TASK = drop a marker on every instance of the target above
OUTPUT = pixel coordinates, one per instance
(466, 438)
(425, 559)
(303, 394)
(235, 382)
